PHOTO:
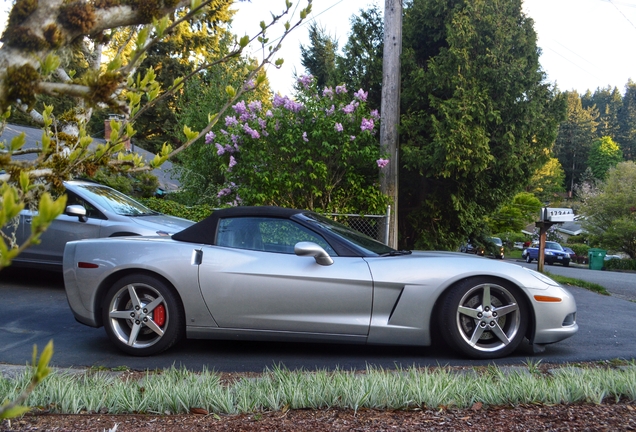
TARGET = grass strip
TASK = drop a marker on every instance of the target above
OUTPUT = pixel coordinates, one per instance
(591, 286)
(176, 391)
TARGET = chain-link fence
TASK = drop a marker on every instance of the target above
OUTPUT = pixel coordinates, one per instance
(373, 226)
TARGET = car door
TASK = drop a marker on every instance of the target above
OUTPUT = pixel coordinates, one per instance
(63, 229)
(253, 280)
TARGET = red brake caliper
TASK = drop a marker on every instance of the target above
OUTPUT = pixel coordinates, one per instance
(159, 315)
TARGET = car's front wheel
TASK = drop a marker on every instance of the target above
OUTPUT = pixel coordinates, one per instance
(483, 318)
(528, 259)
(142, 315)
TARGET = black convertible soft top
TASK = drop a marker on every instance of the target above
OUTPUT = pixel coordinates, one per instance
(205, 230)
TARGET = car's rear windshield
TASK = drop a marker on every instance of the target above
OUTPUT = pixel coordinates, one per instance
(115, 201)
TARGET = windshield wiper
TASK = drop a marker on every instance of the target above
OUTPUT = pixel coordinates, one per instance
(397, 252)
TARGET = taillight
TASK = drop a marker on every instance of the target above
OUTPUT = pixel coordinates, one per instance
(159, 315)
(82, 264)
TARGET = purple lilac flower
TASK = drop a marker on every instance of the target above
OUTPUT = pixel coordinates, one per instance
(352, 137)
(293, 106)
(361, 94)
(228, 148)
(375, 115)
(269, 114)
(341, 89)
(262, 123)
(348, 109)
(338, 127)
(382, 162)
(330, 110)
(251, 132)
(305, 80)
(255, 106)
(230, 121)
(209, 137)
(240, 108)
(234, 138)
(278, 101)
(328, 92)
(249, 85)
(305, 137)
(231, 164)
(219, 149)
(366, 124)
(223, 131)
(223, 192)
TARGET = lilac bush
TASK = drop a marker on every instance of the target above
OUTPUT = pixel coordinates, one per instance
(317, 150)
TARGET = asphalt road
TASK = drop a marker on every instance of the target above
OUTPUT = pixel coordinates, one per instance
(33, 310)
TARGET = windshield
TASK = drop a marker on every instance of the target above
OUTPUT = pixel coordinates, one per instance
(553, 245)
(497, 241)
(369, 245)
(115, 201)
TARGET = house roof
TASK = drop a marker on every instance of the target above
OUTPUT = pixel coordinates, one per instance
(167, 179)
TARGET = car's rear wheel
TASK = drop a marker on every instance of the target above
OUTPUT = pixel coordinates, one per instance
(528, 259)
(142, 315)
(483, 318)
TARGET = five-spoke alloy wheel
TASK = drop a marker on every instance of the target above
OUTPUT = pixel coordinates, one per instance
(484, 318)
(142, 315)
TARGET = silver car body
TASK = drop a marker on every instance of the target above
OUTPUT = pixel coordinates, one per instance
(236, 293)
(108, 213)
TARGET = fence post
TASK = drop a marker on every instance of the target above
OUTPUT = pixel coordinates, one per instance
(387, 221)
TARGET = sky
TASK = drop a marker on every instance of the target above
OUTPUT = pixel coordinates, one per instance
(586, 44)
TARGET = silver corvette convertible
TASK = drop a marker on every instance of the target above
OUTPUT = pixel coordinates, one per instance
(268, 273)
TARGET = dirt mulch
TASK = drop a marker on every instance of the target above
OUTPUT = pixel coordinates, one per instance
(584, 417)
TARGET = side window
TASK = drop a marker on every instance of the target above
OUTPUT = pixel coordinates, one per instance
(91, 211)
(266, 234)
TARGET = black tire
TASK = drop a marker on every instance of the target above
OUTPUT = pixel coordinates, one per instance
(528, 259)
(483, 318)
(566, 264)
(142, 315)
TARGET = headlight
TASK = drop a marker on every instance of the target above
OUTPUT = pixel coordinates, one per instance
(548, 253)
(543, 278)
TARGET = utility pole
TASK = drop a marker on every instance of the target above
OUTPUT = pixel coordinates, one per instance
(390, 111)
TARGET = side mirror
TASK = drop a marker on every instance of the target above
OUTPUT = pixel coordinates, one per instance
(76, 210)
(312, 249)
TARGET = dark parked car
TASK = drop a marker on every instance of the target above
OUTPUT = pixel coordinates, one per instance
(554, 254)
(92, 211)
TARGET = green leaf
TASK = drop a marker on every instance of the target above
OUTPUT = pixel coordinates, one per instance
(16, 411)
(17, 142)
(49, 65)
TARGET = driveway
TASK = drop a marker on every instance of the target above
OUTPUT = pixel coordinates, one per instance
(34, 310)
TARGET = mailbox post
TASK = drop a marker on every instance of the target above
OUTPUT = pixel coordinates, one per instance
(549, 217)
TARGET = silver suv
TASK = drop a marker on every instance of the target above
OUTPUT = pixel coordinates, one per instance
(92, 210)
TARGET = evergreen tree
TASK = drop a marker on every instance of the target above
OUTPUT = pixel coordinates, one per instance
(547, 183)
(575, 137)
(627, 120)
(478, 117)
(608, 103)
(604, 154)
(360, 65)
(319, 58)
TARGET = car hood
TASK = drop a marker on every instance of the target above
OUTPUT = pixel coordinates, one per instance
(161, 222)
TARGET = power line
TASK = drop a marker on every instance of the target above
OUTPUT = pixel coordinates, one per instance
(621, 12)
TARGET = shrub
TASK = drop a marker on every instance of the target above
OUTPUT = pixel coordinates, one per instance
(621, 264)
(173, 208)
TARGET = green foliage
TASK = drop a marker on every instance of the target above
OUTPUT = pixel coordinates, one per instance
(40, 371)
(620, 264)
(604, 154)
(577, 239)
(579, 249)
(575, 138)
(360, 65)
(610, 212)
(547, 183)
(608, 103)
(478, 117)
(514, 216)
(173, 208)
(319, 58)
(318, 152)
(627, 122)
